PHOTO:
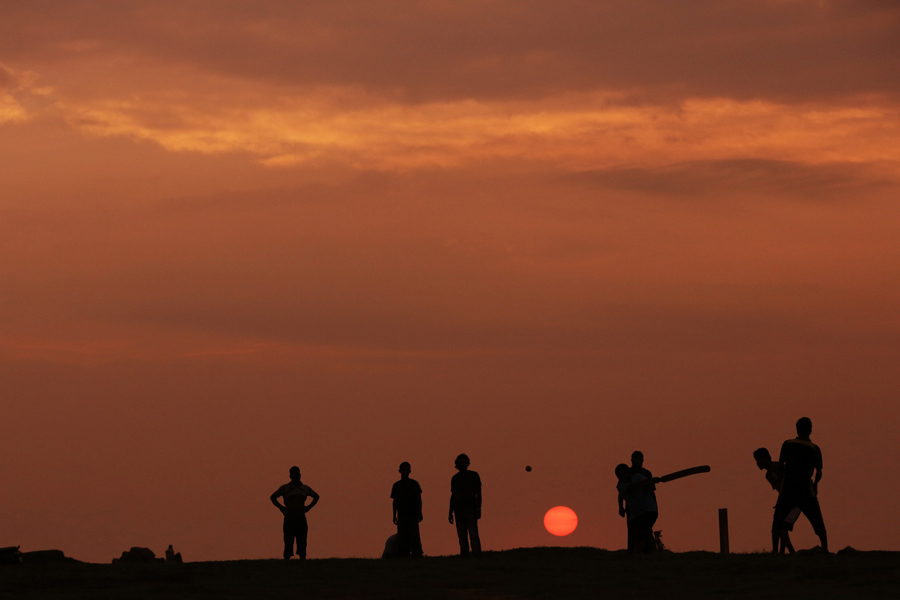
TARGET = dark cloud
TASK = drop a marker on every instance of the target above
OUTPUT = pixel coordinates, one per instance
(434, 50)
(740, 177)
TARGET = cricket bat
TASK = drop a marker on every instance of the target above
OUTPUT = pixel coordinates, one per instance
(684, 473)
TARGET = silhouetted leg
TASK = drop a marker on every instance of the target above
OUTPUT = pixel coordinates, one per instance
(295, 528)
(786, 513)
(823, 537)
(651, 541)
(416, 542)
(473, 534)
(462, 532)
(405, 534)
(288, 530)
(643, 532)
(786, 543)
(467, 529)
(813, 512)
(302, 532)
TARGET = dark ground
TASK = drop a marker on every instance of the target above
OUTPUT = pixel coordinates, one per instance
(522, 573)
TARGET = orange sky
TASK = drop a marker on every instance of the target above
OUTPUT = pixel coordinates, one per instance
(239, 236)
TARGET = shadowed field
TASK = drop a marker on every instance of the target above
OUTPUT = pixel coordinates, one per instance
(521, 573)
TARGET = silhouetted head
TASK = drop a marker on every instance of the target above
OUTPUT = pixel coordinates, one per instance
(462, 462)
(637, 459)
(405, 468)
(295, 473)
(763, 458)
(623, 472)
(804, 427)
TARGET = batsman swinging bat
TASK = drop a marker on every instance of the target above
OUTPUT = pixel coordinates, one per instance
(684, 473)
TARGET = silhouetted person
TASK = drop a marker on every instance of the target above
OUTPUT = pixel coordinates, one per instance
(775, 477)
(391, 547)
(465, 505)
(172, 556)
(407, 509)
(637, 466)
(294, 510)
(800, 459)
(640, 508)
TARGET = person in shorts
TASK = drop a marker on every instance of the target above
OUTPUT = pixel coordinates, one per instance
(781, 539)
(801, 461)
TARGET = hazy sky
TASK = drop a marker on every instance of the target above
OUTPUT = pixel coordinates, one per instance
(239, 236)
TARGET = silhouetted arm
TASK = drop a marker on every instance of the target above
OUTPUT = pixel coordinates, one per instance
(451, 508)
(781, 456)
(315, 500)
(621, 505)
(816, 480)
(646, 483)
(274, 498)
(394, 506)
(650, 484)
(818, 471)
(478, 503)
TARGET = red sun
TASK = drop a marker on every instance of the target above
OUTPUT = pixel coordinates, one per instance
(560, 520)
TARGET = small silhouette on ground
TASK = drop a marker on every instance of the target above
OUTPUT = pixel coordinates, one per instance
(172, 556)
(137, 555)
(10, 555)
(391, 547)
(46, 557)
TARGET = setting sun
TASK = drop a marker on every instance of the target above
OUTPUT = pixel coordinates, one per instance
(560, 520)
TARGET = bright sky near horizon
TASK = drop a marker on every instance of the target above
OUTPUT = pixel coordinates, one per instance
(239, 236)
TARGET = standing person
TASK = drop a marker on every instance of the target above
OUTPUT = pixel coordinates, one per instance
(640, 508)
(775, 477)
(172, 556)
(295, 493)
(637, 466)
(465, 505)
(407, 509)
(799, 459)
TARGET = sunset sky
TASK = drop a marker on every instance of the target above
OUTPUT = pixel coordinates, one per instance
(239, 236)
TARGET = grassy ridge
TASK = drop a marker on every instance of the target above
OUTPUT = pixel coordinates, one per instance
(522, 573)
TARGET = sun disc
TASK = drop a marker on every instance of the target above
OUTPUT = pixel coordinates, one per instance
(560, 520)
